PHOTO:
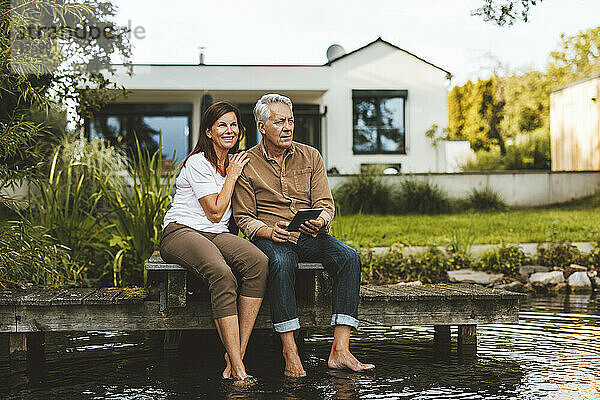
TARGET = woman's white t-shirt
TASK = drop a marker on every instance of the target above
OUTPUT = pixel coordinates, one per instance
(197, 179)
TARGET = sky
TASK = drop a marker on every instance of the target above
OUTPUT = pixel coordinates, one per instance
(292, 32)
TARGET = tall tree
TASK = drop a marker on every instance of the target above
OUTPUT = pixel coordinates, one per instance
(52, 53)
(577, 58)
(475, 111)
(505, 12)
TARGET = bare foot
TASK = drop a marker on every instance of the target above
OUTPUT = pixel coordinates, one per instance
(293, 365)
(248, 381)
(345, 360)
(227, 371)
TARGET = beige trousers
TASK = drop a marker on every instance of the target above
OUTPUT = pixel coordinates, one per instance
(212, 256)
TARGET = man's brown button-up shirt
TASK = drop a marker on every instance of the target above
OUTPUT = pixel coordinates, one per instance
(267, 192)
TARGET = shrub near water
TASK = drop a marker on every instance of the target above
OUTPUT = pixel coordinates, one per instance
(28, 255)
(138, 204)
(430, 266)
(506, 260)
(66, 203)
(364, 193)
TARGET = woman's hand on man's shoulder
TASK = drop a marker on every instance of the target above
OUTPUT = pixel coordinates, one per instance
(236, 164)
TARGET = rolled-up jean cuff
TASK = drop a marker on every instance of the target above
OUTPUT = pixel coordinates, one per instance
(255, 293)
(225, 312)
(343, 319)
(287, 326)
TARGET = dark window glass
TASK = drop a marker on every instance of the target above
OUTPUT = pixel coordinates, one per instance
(151, 123)
(307, 124)
(378, 119)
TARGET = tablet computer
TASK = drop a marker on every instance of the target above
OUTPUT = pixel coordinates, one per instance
(302, 216)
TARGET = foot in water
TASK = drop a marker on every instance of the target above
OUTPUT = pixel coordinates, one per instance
(345, 360)
(293, 365)
(227, 371)
(249, 380)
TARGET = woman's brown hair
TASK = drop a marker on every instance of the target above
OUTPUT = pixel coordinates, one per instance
(205, 144)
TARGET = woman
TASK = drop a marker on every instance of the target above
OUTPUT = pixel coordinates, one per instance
(196, 234)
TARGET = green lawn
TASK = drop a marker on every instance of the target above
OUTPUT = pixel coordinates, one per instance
(575, 221)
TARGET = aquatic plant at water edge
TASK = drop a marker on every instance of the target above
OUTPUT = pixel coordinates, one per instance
(29, 256)
(505, 259)
(431, 266)
(137, 203)
(67, 201)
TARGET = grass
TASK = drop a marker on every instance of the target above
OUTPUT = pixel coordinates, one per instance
(575, 221)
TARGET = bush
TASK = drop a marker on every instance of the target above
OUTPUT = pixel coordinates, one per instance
(138, 205)
(364, 193)
(430, 266)
(66, 202)
(485, 199)
(29, 256)
(421, 197)
(531, 151)
(506, 260)
(557, 254)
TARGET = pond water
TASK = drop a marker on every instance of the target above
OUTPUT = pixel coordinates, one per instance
(554, 353)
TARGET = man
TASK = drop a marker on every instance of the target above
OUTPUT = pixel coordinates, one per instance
(282, 177)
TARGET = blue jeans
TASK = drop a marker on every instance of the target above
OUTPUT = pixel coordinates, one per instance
(341, 262)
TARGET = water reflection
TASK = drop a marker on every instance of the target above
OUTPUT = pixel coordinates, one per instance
(552, 353)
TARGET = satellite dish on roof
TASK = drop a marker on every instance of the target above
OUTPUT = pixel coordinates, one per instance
(335, 51)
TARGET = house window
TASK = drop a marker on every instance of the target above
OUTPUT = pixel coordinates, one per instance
(307, 124)
(378, 121)
(120, 123)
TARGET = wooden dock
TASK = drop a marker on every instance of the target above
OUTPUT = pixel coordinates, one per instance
(130, 309)
(168, 305)
(25, 315)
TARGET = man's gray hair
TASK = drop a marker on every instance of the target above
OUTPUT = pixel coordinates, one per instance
(261, 109)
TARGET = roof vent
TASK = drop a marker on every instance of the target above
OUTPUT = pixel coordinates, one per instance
(335, 51)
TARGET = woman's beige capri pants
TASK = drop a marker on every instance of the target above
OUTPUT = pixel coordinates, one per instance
(213, 256)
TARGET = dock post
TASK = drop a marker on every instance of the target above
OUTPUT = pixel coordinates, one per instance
(17, 346)
(171, 341)
(441, 341)
(26, 347)
(467, 334)
(467, 341)
(441, 335)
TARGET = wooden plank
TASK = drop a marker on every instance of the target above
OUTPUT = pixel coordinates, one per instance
(42, 297)
(483, 292)
(13, 297)
(72, 296)
(433, 291)
(198, 315)
(103, 296)
(434, 312)
(131, 296)
(156, 263)
(161, 266)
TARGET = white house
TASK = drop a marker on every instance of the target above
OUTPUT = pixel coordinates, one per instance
(370, 106)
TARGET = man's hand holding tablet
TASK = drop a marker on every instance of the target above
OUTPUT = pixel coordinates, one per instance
(307, 221)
